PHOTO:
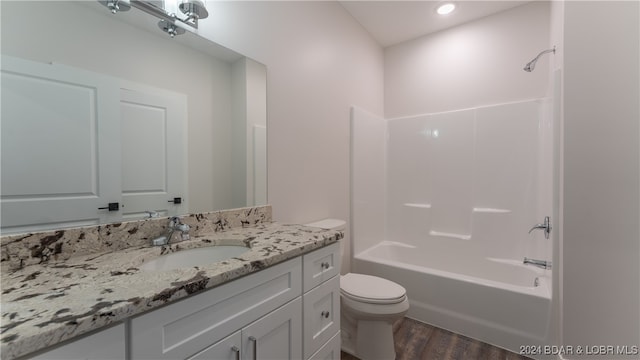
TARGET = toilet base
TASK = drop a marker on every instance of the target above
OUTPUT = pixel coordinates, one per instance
(375, 340)
(368, 339)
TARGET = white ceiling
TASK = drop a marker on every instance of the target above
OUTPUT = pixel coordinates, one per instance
(393, 22)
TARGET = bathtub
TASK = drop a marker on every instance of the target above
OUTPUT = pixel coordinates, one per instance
(498, 301)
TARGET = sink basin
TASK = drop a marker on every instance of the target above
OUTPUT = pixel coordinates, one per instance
(193, 257)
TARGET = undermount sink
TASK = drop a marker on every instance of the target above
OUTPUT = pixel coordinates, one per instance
(193, 257)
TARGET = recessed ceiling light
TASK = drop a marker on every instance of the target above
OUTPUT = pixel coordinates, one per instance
(446, 8)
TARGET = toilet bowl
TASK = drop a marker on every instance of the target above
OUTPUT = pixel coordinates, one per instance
(369, 305)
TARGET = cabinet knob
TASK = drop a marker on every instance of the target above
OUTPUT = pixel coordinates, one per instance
(325, 265)
(325, 314)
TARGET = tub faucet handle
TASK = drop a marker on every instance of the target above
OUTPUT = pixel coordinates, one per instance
(546, 226)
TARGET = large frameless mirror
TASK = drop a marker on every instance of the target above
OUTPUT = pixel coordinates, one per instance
(106, 118)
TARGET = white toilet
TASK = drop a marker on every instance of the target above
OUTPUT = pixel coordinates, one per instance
(369, 307)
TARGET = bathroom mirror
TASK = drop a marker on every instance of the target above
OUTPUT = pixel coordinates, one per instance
(222, 155)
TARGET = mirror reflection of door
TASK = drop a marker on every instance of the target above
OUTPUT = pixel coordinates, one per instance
(153, 157)
(55, 126)
(74, 142)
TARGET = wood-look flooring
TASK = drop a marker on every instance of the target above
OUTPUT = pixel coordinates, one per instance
(418, 341)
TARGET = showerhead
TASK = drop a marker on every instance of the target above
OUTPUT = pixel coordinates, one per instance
(532, 64)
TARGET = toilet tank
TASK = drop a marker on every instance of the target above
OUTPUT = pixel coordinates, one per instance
(331, 224)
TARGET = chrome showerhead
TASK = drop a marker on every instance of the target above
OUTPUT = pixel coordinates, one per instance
(532, 64)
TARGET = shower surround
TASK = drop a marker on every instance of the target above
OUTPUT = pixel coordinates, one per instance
(443, 203)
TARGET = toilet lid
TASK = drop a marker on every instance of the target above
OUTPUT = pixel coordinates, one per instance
(371, 289)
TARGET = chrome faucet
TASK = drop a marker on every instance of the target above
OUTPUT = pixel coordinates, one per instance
(539, 263)
(546, 226)
(174, 224)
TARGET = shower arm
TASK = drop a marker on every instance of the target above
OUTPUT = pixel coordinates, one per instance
(531, 64)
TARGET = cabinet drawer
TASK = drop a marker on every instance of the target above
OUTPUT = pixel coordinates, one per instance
(105, 344)
(185, 328)
(320, 265)
(321, 315)
(330, 350)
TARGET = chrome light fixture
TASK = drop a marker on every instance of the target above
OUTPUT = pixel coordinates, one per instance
(172, 24)
(116, 5)
(170, 28)
(194, 9)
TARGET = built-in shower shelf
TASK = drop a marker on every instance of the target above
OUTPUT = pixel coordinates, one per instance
(491, 210)
(450, 235)
(418, 205)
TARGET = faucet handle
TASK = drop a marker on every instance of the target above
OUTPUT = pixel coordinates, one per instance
(546, 226)
(184, 230)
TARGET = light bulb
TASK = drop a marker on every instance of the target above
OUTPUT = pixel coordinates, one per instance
(446, 8)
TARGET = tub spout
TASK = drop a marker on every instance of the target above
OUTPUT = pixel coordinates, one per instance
(539, 263)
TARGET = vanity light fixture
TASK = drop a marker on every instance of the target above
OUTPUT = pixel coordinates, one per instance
(172, 24)
(445, 8)
(116, 5)
(170, 28)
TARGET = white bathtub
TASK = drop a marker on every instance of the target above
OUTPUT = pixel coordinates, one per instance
(501, 302)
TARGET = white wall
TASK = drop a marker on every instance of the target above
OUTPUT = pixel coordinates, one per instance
(368, 179)
(474, 64)
(319, 63)
(555, 93)
(601, 250)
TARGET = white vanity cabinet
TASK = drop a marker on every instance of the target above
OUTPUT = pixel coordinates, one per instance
(187, 328)
(321, 303)
(102, 345)
(264, 315)
(274, 336)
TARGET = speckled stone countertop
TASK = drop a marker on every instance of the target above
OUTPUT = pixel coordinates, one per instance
(44, 304)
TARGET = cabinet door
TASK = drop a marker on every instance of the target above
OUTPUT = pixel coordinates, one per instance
(330, 350)
(105, 345)
(321, 315)
(60, 146)
(225, 349)
(277, 336)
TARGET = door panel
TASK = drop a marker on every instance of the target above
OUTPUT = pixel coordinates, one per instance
(57, 176)
(153, 151)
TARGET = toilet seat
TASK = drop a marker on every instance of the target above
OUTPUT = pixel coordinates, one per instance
(371, 289)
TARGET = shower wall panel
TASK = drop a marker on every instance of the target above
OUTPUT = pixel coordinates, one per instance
(468, 179)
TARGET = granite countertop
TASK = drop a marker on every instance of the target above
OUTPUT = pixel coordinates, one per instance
(45, 304)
